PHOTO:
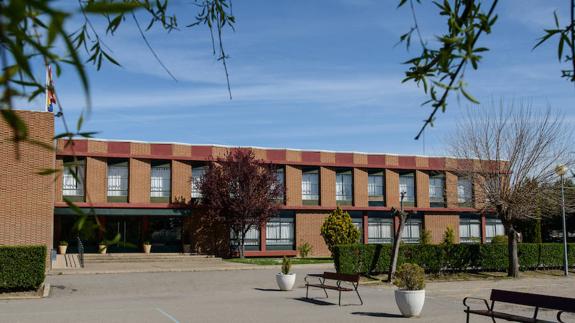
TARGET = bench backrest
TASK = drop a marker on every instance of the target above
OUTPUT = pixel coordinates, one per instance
(354, 278)
(535, 300)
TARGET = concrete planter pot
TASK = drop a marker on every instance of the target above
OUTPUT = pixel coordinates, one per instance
(62, 250)
(147, 248)
(410, 302)
(102, 249)
(285, 282)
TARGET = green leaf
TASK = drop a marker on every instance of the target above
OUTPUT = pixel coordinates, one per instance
(106, 7)
(468, 96)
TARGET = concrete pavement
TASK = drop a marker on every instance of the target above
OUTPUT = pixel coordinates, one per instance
(244, 296)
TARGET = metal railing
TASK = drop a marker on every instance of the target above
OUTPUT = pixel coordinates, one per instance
(80, 251)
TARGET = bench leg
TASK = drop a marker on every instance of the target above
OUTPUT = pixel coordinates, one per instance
(339, 298)
(306, 291)
(357, 292)
(467, 320)
(325, 291)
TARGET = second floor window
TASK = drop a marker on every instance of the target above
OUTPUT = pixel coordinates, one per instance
(344, 187)
(464, 192)
(73, 178)
(280, 178)
(197, 175)
(118, 179)
(375, 189)
(407, 185)
(310, 186)
(437, 190)
(160, 181)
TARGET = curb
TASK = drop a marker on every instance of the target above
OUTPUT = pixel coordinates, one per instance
(42, 292)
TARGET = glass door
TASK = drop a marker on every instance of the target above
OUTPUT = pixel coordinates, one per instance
(129, 231)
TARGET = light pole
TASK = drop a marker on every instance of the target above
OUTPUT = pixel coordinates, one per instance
(561, 170)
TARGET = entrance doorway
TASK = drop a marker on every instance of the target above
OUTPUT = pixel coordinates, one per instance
(129, 230)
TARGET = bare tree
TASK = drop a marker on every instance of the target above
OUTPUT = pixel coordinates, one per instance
(241, 192)
(403, 216)
(512, 151)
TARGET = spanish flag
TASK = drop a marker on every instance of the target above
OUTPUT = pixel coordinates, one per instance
(50, 94)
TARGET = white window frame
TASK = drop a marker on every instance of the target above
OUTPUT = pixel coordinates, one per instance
(466, 230)
(407, 185)
(412, 231)
(160, 181)
(252, 237)
(280, 231)
(375, 185)
(197, 175)
(493, 228)
(344, 186)
(437, 189)
(310, 186)
(380, 230)
(464, 190)
(118, 179)
(73, 186)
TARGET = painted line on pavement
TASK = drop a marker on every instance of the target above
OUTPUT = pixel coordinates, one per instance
(166, 314)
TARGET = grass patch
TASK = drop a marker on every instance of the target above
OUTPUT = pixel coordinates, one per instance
(278, 261)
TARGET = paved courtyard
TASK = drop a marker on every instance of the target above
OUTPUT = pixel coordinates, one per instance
(242, 296)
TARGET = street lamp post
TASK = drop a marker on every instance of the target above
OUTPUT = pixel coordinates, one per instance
(561, 170)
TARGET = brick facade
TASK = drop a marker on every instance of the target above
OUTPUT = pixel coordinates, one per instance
(437, 224)
(327, 187)
(421, 189)
(96, 180)
(26, 198)
(308, 229)
(360, 187)
(139, 186)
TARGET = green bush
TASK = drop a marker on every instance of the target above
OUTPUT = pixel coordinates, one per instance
(410, 277)
(375, 258)
(22, 267)
(339, 229)
(286, 265)
(501, 239)
(304, 249)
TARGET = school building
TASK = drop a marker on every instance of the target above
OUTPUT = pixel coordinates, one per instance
(136, 189)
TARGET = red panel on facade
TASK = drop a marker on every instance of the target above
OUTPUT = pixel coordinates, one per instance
(437, 163)
(161, 149)
(344, 158)
(77, 146)
(119, 147)
(276, 155)
(376, 159)
(202, 151)
(464, 164)
(310, 156)
(407, 161)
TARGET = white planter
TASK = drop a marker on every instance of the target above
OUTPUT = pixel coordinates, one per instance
(147, 248)
(410, 302)
(62, 249)
(102, 249)
(285, 282)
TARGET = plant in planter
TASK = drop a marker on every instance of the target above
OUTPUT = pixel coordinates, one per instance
(410, 295)
(102, 247)
(147, 246)
(285, 279)
(62, 247)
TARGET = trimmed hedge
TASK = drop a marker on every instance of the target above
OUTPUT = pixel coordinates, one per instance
(375, 258)
(22, 267)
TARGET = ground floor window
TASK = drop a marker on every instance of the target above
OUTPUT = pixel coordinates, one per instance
(251, 240)
(412, 231)
(470, 229)
(379, 230)
(493, 227)
(280, 233)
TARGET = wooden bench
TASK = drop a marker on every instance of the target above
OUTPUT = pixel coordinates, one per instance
(339, 279)
(561, 304)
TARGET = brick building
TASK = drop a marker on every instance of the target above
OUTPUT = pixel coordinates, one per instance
(134, 189)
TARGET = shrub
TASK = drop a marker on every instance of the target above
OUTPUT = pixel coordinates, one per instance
(339, 229)
(304, 249)
(63, 243)
(410, 277)
(286, 265)
(22, 267)
(501, 239)
(425, 237)
(448, 236)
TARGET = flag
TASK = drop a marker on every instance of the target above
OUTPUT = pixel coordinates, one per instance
(50, 94)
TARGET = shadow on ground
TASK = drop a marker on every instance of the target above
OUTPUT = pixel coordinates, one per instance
(377, 314)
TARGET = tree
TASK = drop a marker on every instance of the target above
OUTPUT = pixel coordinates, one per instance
(402, 216)
(240, 192)
(338, 228)
(512, 152)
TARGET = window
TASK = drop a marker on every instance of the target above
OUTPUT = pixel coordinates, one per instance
(407, 185)
(493, 227)
(379, 230)
(160, 182)
(464, 192)
(375, 189)
(357, 220)
(280, 233)
(197, 175)
(469, 230)
(73, 178)
(280, 177)
(310, 187)
(344, 188)
(437, 190)
(118, 181)
(411, 231)
(251, 240)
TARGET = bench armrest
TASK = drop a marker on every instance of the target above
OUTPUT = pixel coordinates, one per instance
(477, 299)
(318, 276)
(559, 316)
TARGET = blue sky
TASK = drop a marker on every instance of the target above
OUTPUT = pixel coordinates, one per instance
(310, 75)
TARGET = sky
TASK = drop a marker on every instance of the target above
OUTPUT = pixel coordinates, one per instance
(322, 74)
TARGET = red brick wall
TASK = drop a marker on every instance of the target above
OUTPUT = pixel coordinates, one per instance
(422, 189)
(26, 198)
(139, 186)
(437, 224)
(293, 185)
(308, 229)
(391, 188)
(359, 187)
(96, 180)
(327, 186)
(181, 180)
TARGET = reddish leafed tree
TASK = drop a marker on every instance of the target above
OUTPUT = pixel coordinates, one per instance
(241, 192)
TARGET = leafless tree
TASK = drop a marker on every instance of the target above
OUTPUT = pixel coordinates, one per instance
(513, 150)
